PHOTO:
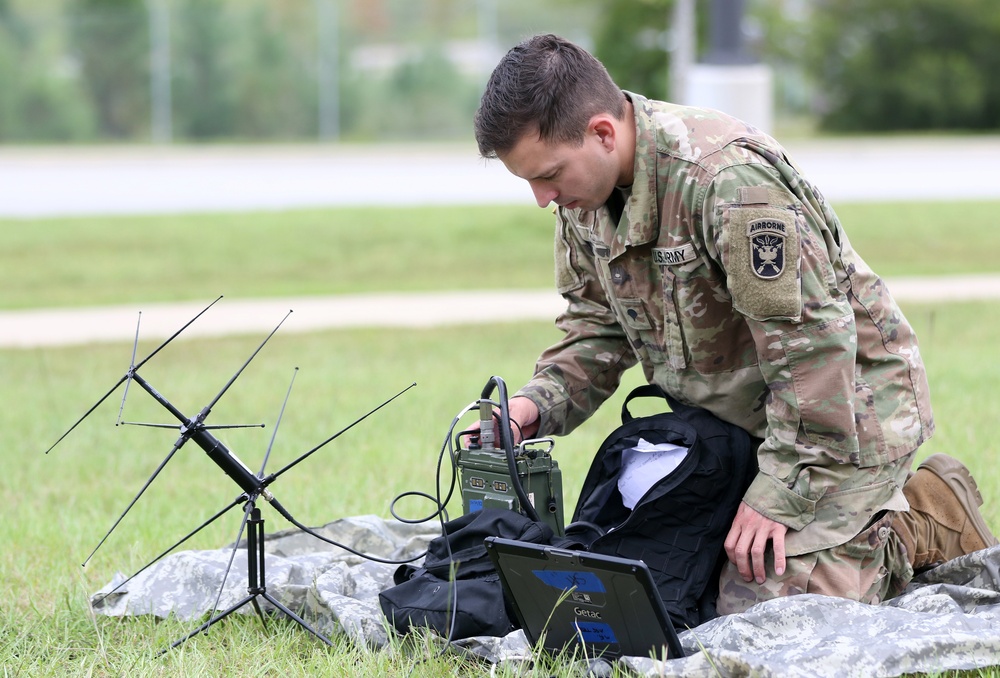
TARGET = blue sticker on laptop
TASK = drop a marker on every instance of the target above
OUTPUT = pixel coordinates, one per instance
(595, 632)
(564, 580)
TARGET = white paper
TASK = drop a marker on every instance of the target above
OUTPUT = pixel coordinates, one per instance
(644, 465)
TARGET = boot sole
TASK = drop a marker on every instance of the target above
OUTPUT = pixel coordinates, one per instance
(960, 481)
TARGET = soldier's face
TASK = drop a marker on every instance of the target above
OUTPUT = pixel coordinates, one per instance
(573, 176)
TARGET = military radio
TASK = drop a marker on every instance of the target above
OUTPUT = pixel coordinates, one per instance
(495, 474)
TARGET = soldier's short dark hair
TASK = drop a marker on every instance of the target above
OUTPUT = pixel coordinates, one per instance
(548, 83)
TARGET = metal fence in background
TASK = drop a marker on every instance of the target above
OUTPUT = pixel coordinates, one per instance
(234, 70)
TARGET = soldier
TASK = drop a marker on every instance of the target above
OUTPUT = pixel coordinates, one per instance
(687, 241)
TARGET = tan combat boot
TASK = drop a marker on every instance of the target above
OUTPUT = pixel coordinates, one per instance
(944, 520)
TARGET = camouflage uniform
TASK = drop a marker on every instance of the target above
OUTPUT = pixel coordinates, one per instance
(733, 284)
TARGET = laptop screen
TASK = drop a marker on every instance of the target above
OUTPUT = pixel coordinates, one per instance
(602, 605)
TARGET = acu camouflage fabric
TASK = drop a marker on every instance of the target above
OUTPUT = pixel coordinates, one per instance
(731, 281)
(337, 590)
(947, 619)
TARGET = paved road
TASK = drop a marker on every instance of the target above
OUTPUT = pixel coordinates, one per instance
(54, 327)
(142, 180)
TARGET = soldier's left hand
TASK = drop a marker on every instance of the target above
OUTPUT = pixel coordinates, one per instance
(747, 541)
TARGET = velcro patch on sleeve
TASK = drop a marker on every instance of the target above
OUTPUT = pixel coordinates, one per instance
(763, 262)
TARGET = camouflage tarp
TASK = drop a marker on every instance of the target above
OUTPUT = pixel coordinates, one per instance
(949, 618)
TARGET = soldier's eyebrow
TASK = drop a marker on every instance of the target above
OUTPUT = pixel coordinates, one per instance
(547, 173)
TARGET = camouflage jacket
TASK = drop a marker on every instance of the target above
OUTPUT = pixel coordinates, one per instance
(733, 284)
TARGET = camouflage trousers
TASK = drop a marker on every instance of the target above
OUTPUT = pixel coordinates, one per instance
(869, 568)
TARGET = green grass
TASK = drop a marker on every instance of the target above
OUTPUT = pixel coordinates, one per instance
(74, 262)
(58, 506)
(925, 238)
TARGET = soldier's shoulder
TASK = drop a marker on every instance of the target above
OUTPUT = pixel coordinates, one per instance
(704, 137)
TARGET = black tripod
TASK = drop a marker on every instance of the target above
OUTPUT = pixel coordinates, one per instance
(256, 581)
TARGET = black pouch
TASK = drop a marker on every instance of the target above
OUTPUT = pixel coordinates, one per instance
(457, 574)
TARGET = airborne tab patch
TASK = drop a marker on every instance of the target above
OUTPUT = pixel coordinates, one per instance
(767, 247)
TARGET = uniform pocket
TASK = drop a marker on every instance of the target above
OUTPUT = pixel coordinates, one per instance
(859, 569)
(824, 383)
(872, 450)
(714, 337)
(672, 338)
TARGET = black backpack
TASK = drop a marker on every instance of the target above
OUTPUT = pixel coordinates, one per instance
(679, 526)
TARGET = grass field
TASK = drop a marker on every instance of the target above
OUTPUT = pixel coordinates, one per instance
(57, 506)
(91, 261)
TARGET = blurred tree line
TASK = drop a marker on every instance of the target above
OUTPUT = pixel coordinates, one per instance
(360, 70)
(856, 65)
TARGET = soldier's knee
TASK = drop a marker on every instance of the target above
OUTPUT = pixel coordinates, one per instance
(869, 568)
(736, 595)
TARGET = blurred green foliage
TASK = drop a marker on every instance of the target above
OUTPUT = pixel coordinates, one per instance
(247, 70)
(907, 64)
(110, 41)
(40, 99)
(632, 42)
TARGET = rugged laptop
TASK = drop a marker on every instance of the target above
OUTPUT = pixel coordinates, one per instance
(603, 605)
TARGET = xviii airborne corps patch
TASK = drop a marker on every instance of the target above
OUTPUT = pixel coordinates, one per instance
(767, 247)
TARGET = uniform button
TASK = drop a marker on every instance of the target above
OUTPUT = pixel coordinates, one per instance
(883, 533)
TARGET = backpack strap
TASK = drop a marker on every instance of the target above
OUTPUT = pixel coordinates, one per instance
(652, 391)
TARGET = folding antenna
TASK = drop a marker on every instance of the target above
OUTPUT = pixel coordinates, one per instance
(131, 372)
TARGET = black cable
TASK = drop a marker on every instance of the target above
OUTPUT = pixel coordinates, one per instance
(452, 585)
(415, 521)
(520, 431)
(308, 530)
(442, 515)
(526, 505)
(440, 503)
(440, 512)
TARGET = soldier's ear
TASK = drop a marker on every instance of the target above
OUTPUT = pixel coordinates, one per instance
(603, 126)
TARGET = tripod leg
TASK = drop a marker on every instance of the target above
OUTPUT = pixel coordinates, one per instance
(248, 508)
(257, 533)
(260, 613)
(212, 620)
(251, 573)
(299, 620)
(256, 585)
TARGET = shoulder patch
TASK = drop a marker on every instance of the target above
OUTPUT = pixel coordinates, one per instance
(763, 262)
